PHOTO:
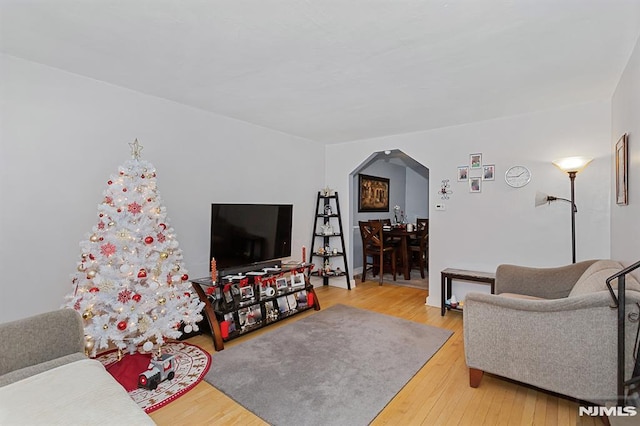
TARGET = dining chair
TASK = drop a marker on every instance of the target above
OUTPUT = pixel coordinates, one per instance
(388, 240)
(373, 246)
(420, 247)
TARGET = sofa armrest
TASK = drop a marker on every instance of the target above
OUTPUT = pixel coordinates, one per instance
(40, 338)
(547, 283)
(568, 346)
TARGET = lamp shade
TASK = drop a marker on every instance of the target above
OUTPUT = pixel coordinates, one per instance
(541, 198)
(572, 164)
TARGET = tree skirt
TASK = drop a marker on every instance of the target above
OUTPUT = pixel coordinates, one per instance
(192, 364)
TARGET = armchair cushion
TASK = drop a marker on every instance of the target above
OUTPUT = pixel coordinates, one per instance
(546, 283)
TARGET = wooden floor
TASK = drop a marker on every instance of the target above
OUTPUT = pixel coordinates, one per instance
(439, 394)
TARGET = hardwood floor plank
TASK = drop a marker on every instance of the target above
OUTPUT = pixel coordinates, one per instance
(439, 393)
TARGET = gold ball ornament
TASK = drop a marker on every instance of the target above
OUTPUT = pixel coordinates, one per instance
(88, 344)
(87, 314)
(81, 267)
(162, 301)
(93, 238)
(164, 255)
(91, 274)
(106, 326)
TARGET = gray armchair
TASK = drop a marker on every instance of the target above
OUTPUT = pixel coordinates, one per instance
(552, 328)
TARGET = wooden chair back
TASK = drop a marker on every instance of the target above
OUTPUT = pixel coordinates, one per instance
(371, 232)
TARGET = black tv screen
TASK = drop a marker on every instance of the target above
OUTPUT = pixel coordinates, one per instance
(242, 234)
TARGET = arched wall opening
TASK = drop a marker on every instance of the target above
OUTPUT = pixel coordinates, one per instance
(408, 189)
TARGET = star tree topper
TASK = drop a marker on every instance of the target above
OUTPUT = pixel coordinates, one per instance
(136, 149)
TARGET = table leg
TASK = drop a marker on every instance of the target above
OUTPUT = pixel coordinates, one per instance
(442, 295)
(210, 315)
(405, 258)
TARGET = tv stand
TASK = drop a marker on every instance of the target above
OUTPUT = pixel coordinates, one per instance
(268, 292)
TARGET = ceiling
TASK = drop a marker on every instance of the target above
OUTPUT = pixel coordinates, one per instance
(337, 70)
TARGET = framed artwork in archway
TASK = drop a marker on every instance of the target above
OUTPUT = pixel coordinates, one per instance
(373, 194)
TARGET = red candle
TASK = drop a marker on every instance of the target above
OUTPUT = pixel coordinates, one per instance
(214, 270)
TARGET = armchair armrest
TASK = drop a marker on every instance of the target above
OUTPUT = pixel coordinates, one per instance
(40, 338)
(547, 283)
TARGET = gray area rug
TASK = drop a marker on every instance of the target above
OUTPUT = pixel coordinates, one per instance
(338, 366)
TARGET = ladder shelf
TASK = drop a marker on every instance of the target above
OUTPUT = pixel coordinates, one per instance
(326, 215)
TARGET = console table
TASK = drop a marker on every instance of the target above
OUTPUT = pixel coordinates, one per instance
(449, 274)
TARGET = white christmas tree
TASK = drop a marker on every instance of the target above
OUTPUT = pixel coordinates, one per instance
(131, 286)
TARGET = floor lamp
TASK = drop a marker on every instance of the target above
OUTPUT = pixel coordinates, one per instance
(572, 166)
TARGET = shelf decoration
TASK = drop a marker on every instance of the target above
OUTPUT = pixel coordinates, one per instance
(327, 192)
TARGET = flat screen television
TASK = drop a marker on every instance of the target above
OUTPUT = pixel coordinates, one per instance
(242, 234)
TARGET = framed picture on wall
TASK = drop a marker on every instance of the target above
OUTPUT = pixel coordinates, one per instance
(373, 194)
(489, 172)
(622, 172)
(475, 161)
(475, 184)
(463, 173)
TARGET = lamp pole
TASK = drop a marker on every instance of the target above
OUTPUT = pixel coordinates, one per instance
(571, 166)
(572, 177)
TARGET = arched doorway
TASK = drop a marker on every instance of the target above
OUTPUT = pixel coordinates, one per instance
(408, 189)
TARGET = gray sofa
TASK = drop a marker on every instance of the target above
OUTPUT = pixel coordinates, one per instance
(45, 377)
(552, 328)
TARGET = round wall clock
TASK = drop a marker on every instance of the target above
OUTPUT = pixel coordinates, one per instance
(517, 176)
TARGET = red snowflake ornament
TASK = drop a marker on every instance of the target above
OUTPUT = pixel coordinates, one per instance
(134, 208)
(124, 296)
(107, 249)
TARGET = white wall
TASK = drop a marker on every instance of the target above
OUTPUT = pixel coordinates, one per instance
(417, 200)
(500, 225)
(63, 135)
(625, 220)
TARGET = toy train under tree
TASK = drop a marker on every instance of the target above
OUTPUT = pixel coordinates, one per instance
(160, 369)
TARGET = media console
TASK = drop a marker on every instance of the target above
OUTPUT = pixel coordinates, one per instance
(248, 298)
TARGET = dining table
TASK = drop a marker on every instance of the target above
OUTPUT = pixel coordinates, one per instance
(404, 235)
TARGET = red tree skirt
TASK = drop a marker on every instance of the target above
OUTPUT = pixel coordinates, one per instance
(127, 370)
(192, 365)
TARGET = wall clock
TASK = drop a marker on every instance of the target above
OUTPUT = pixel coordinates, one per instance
(517, 176)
